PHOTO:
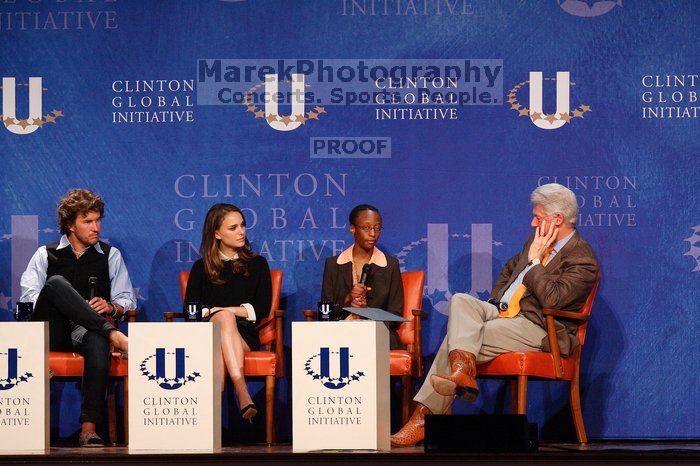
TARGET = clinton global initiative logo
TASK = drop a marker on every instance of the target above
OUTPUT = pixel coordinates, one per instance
(158, 374)
(450, 255)
(535, 110)
(272, 98)
(54, 16)
(670, 96)
(318, 367)
(153, 101)
(694, 250)
(34, 120)
(13, 377)
(406, 8)
(588, 8)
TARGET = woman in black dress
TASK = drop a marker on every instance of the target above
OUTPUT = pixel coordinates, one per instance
(234, 282)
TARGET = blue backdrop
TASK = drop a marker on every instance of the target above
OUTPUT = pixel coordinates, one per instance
(130, 107)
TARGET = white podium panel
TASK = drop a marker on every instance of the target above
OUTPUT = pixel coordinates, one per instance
(174, 387)
(340, 385)
(24, 387)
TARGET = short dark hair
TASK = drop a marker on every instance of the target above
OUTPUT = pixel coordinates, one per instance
(361, 208)
(75, 202)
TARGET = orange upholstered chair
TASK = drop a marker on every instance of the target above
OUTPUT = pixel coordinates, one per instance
(519, 367)
(70, 366)
(267, 363)
(408, 363)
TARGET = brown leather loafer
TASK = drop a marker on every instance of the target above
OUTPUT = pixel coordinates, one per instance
(462, 381)
(414, 430)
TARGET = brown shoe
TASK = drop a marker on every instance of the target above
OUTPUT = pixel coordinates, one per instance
(414, 430)
(462, 381)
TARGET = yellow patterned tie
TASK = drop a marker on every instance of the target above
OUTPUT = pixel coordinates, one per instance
(514, 303)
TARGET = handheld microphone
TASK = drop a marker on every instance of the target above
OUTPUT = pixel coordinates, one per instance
(92, 284)
(365, 273)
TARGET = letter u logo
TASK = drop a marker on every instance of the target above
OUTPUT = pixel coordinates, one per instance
(438, 261)
(9, 108)
(11, 380)
(271, 107)
(563, 86)
(321, 362)
(344, 369)
(177, 381)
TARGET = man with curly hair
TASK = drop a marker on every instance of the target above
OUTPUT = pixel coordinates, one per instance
(75, 283)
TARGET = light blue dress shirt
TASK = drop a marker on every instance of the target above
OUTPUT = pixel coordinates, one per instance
(34, 277)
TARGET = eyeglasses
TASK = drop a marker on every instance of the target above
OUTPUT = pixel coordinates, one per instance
(367, 228)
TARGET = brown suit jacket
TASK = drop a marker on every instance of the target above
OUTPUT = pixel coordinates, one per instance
(386, 284)
(564, 284)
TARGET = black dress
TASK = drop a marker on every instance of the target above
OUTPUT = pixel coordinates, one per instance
(255, 289)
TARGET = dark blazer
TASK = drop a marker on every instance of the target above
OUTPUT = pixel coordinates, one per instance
(386, 284)
(564, 285)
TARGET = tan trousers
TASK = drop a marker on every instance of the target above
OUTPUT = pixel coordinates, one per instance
(473, 326)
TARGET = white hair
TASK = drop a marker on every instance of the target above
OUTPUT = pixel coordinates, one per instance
(555, 198)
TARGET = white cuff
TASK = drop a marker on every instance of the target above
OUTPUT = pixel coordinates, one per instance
(251, 311)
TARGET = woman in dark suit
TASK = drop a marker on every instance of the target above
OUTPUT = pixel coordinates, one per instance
(235, 283)
(341, 275)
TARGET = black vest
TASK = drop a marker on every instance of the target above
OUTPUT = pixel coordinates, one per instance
(78, 271)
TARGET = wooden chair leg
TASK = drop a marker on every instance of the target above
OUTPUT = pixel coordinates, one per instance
(125, 384)
(111, 413)
(522, 394)
(274, 432)
(514, 396)
(269, 409)
(406, 397)
(575, 401)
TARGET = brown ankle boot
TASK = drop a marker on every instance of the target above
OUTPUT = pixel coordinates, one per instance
(414, 430)
(462, 381)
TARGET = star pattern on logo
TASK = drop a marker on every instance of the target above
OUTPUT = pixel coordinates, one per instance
(404, 252)
(38, 122)
(143, 368)
(437, 296)
(271, 118)
(331, 382)
(534, 116)
(588, 8)
(694, 250)
(5, 301)
(8, 383)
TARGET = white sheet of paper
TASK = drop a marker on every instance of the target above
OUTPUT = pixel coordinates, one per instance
(373, 313)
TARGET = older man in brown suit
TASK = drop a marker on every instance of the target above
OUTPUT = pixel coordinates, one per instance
(556, 269)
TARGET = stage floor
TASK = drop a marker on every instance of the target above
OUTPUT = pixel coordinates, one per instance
(636, 452)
